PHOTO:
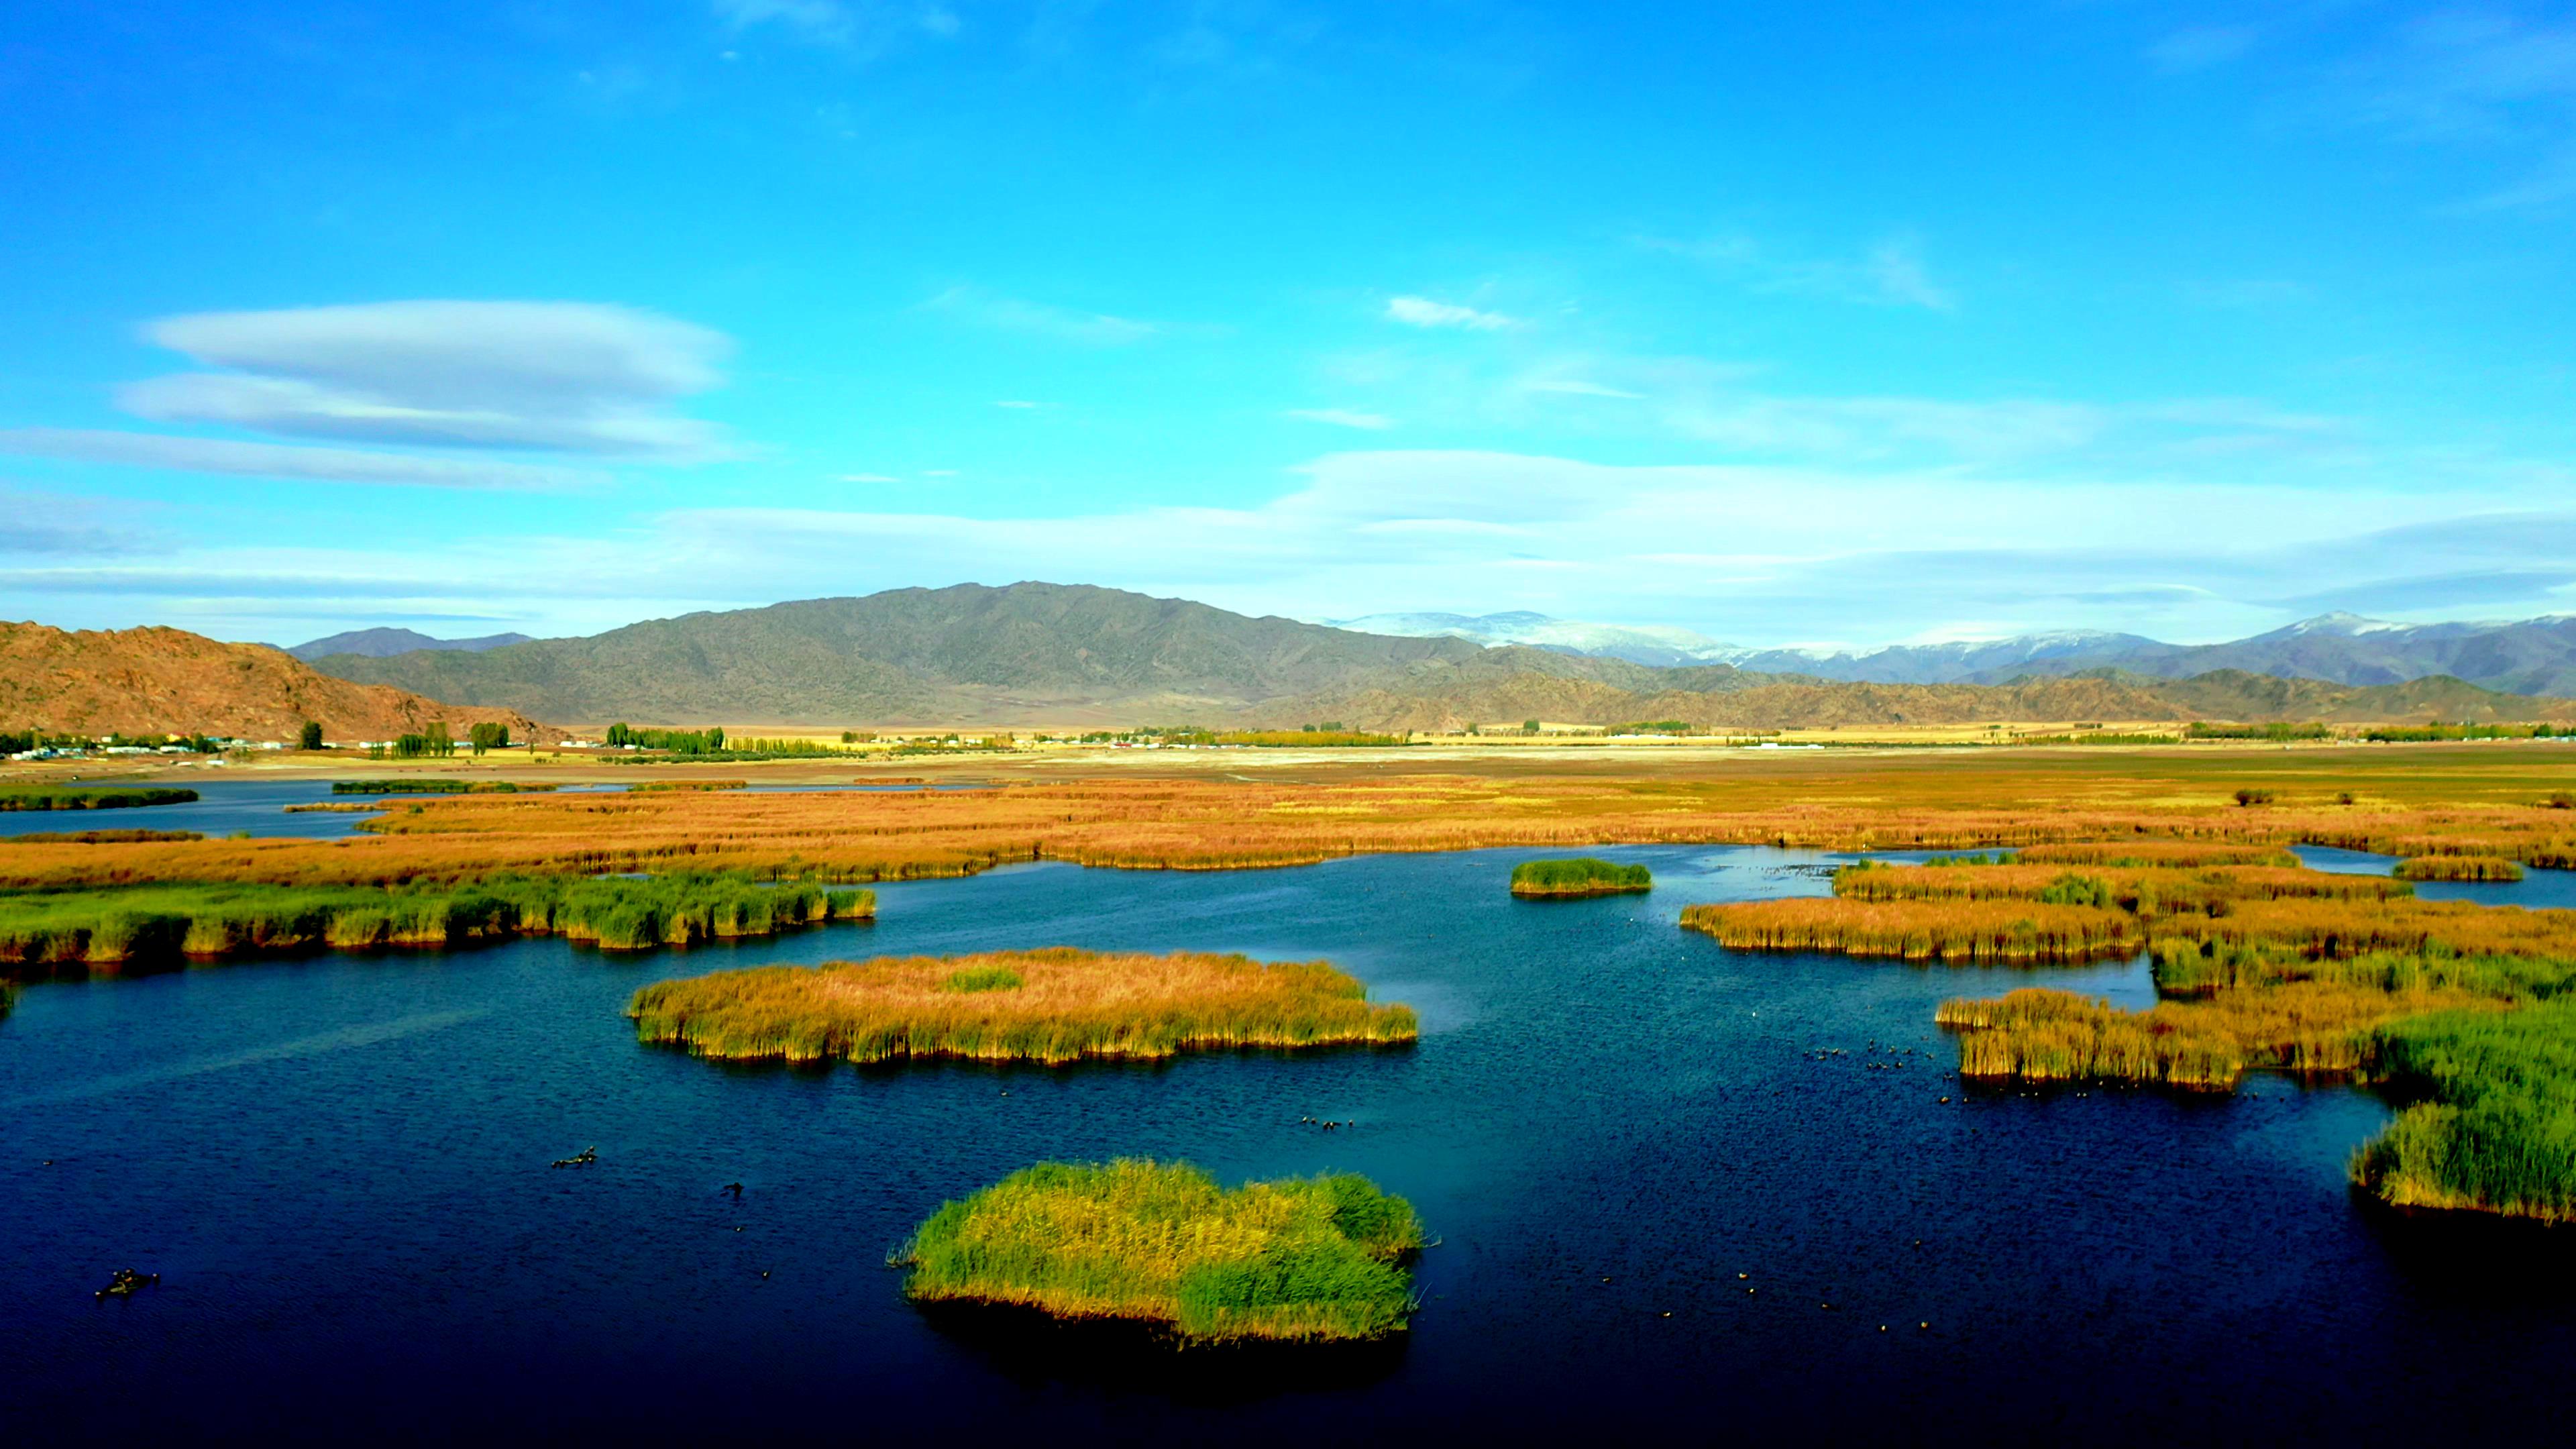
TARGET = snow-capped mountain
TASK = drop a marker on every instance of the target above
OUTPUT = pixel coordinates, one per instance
(2533, 656)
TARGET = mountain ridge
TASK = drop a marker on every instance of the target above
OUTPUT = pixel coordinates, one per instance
(1055, 654)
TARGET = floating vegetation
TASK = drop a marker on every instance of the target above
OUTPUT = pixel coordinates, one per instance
(124, 925)
(436, 785)
(1064, 1005)
(1299, 1260)
(97, 837)
(89, 797)
(2459, 867)
(1584, 876)
(1954, 931)
(649, 787)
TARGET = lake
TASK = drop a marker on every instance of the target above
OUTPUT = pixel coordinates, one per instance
(338, 1164)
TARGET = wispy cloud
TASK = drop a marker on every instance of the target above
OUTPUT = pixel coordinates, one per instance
(1040, 319)
(51, 524)
(1342, 418)
(273, 460)
(547, 376)
(1424, 312)
(1892, 273)
(2473, 77)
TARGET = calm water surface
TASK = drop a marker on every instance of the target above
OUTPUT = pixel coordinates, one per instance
(338, 1165)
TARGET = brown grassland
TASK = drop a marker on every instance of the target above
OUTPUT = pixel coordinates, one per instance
(2176, 807)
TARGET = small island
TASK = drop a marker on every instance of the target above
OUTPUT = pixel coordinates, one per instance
(1310, 1260)
(90, 797)
(1574, 879)
(1051, 1006)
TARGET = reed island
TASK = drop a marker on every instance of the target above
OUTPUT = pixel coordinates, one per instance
(119, 926)
(1299, 1260)
(1053, 1006)
(2466, 1013)
(1575, 879)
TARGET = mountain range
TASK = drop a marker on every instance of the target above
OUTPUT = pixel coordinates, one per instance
(1053, 654)
(377, 643)
(2534, 656)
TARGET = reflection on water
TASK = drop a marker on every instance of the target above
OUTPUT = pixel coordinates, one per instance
(338, 1165)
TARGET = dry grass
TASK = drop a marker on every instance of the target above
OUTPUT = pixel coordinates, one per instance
(1054, 1006)
(2431, 800)
(2459, 867)
(1963, 932)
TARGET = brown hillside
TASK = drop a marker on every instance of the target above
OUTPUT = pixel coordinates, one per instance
(1448, 698)
(169, 681)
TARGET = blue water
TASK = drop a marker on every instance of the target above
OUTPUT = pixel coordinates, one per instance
(338, 1165)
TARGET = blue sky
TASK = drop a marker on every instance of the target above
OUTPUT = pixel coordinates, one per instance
(1786, 323)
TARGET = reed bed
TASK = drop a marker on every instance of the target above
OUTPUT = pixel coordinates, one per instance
(2459, 867)
(2151, 892)
(140, 924)
(1299, 1260)
(2166, 853)
(89, 797)
(2351, 928)
(1960, 932)
(2479, 805)
(2498, 1134)
(1584, 876)
(2309, 1028)
(1069, 1005)
(436, 785)
(98, 837)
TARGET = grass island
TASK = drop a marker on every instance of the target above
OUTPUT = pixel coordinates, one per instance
(90, 797)
(1578, 878)
(2465, 1012)
(1052, 1006)
(1300, 1260)
(116, 926)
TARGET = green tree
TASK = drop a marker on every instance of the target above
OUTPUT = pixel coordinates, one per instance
(309, 737)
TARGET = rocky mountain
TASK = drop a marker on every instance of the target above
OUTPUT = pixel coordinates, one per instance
(1028, 652)
(377, 643)
(169, 681)
(1061, 655)
(2536, 656)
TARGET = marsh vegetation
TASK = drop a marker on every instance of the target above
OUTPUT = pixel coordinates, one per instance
(1053, 1006)
(125, 925)
(90, 797)
(1583, 876)
(1302, 1259)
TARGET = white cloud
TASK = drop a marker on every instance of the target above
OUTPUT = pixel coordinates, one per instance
(1423, 312)
(551, 376)
(1041, 319)
(271, 460)
(1342, 418)
(1891, 273)
(1759, 554)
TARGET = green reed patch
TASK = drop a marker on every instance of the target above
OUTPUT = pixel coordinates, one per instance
(436, 785)
(1300, 1260)
(98, 837)
(1583, 876)
(127, 924)
(984, 978)
(2498, 1131)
